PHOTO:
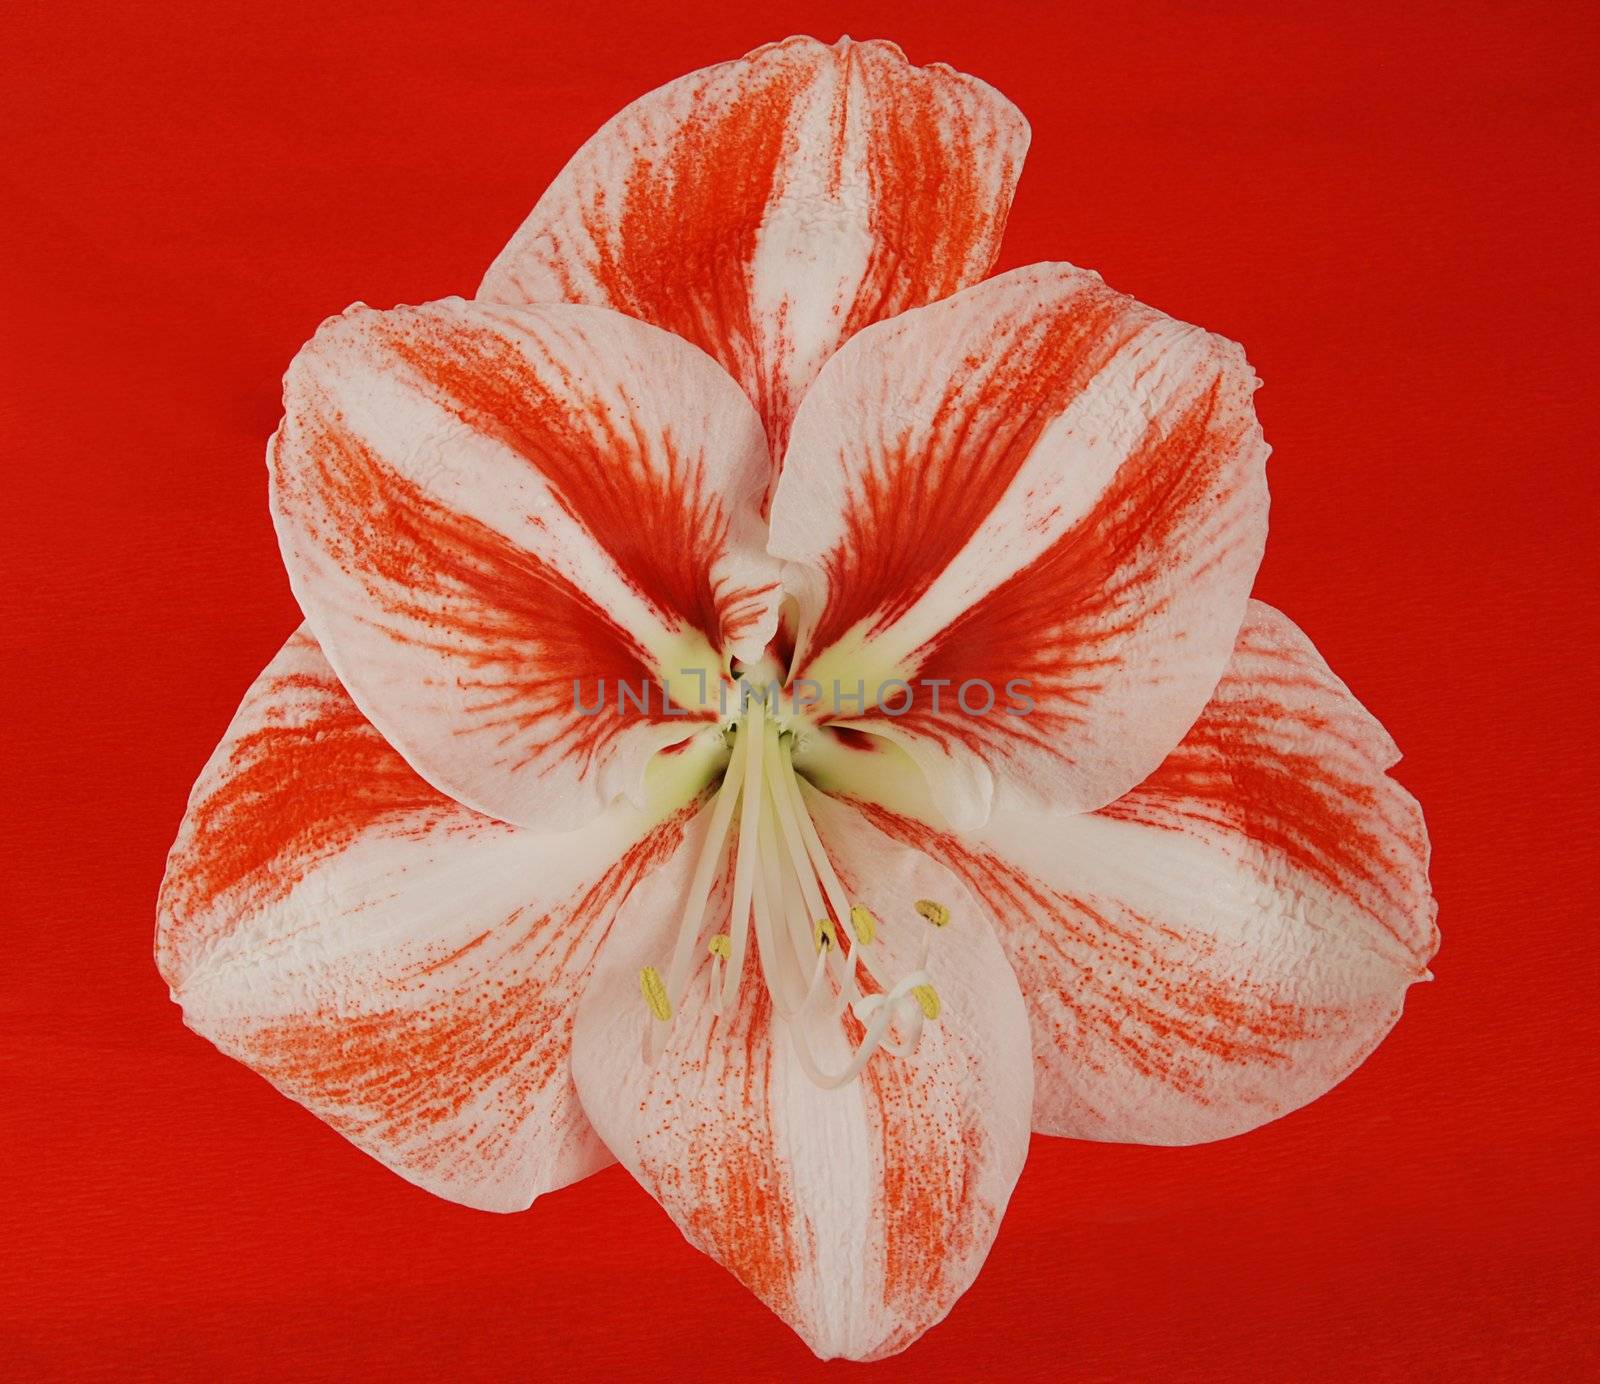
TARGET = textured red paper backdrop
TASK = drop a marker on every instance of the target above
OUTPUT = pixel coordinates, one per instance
(1389, 210)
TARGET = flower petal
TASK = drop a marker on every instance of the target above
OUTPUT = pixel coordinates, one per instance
(1232, 938)
(859, 1214)
(492, 516)
(1038, 484)
(768, 208)
(402, 966)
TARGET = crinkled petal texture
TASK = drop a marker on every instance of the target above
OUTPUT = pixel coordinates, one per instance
(494, 516)
(858, 1214)
(402, 966)
(1232, 938)
(1038, 485)
(768, 208)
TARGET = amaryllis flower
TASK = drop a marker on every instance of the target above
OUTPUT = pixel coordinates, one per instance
(782, 711)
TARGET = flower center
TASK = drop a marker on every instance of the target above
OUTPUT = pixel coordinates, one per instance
(814, 943)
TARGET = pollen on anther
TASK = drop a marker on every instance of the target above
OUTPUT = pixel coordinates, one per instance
(935, 913)
(823, 934)
(655, 993)
(865, 923)
(927, 999)
(720, 945)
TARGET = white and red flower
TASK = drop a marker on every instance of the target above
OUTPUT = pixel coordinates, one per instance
(737, 404)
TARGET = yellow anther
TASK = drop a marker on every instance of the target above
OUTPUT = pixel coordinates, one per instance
(655, 993)
(864, 921)
(927, 999)
(935, 913)
(823, 935)
(720, 946)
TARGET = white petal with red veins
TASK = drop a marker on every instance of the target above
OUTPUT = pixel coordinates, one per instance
(1038, 481)
(1232, 938)
(494, 516)
(858, 1214)
(402, 966)
(768, 208)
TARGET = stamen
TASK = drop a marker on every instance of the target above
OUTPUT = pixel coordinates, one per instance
(811, 938)
(802, 895)
(655, 993)
(812, 842)
(754, 729)
(789, 816)
(789, 992)
(865, 922)
(787, 940)
(827, 876)
(699, 897)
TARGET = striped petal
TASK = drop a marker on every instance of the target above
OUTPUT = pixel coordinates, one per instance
(768, 208)
(858, 1214)
(493, 517)
(1232, 938)
(402, 966)
(1040, 504)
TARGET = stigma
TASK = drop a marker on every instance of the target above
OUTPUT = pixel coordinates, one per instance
(814, 943)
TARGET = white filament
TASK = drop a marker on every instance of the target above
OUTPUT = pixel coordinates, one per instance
(787, 890)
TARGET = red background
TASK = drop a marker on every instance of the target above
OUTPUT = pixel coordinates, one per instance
(1389, 210)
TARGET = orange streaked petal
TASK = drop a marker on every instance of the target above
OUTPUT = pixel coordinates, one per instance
(402, 966)
(1039, 481)
(858, 1214)
(768, 208)
(1233, 937)
(492, 515)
